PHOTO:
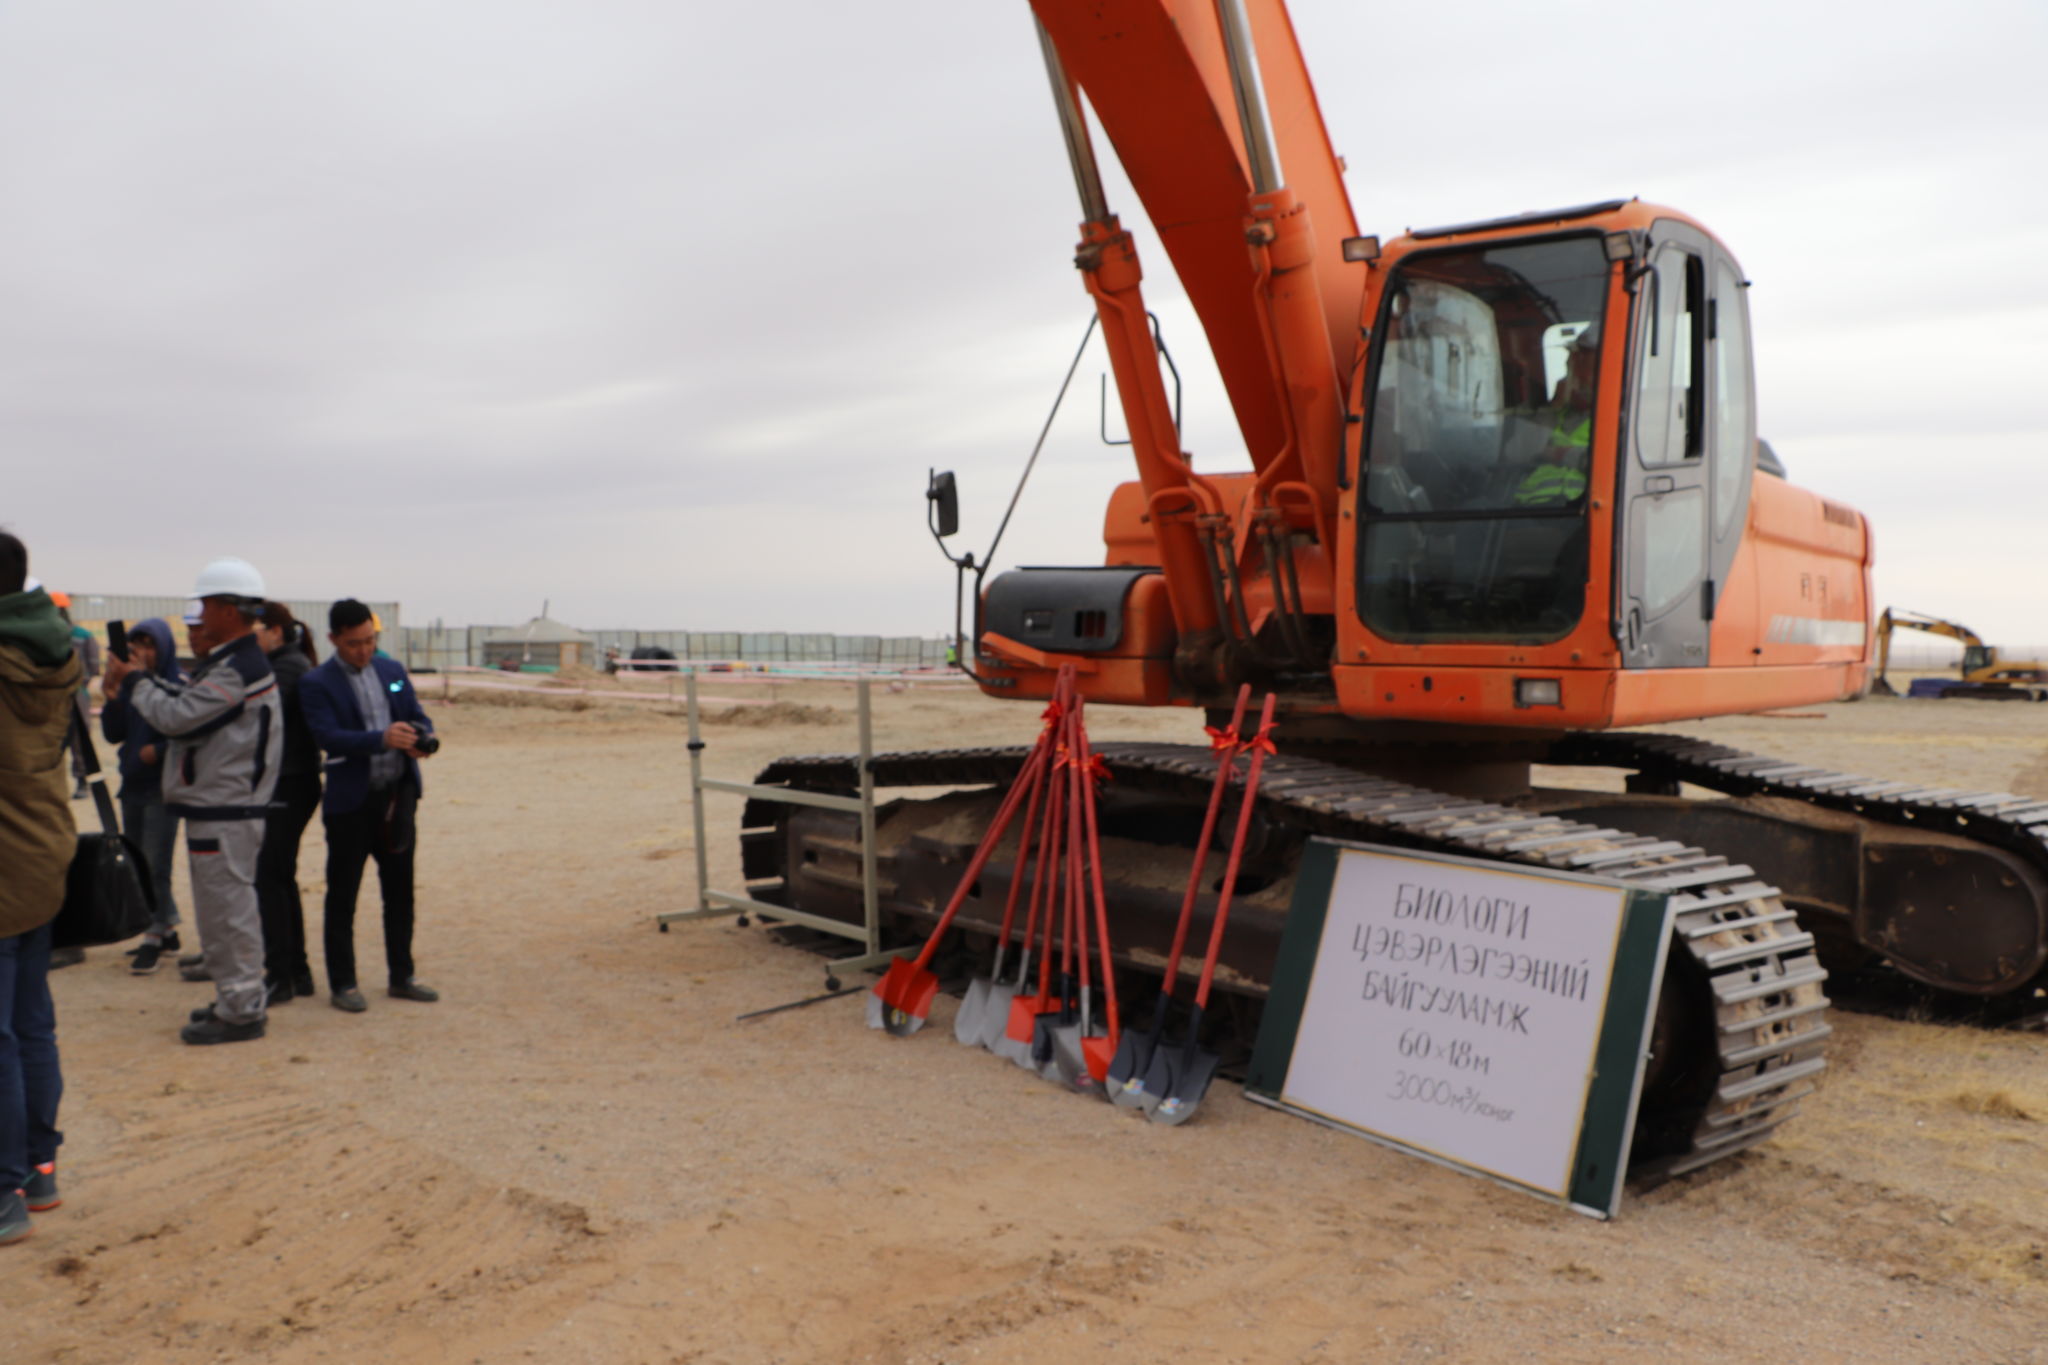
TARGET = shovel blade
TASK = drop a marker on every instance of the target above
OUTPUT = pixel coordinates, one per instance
(995, 1014)
(1020, 1032)
(1070, 1058)
(1154, 1083)
(1098, 1054)
(1191, 1070)
(901, 1001)
(1045, 1053)
(1125, 1079)
(970, 1021)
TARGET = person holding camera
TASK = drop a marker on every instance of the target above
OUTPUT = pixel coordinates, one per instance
(226, 731)
(363, 713)
(144, 816)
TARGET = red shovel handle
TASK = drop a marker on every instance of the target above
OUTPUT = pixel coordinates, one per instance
(989, 841)
(1037, 780)
(1261, 745)
(1052, 869)
(1093, 834)
(1227, 744)
(1077, 917)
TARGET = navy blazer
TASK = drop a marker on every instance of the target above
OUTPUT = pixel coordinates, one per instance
(338, 727)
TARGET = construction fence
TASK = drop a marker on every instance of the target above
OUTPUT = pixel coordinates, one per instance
(95, 610)
(424, 648)
(430, 648)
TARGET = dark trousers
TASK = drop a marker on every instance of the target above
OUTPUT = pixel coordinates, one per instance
(382, 828)
(277, 877)
(30, 1082)
(147, 821)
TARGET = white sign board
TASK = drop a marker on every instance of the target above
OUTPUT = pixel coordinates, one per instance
(1453, 1007)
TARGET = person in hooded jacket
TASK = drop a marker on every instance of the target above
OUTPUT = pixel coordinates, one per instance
(38, 683)
(286, 973)
(144, 816)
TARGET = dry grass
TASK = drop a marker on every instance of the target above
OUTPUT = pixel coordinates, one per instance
(774, 714)
(478, 696)
(1997, 1104)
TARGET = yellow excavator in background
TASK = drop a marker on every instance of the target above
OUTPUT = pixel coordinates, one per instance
(1984, 675)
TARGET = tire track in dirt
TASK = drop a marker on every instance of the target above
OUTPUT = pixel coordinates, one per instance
(224, 1178)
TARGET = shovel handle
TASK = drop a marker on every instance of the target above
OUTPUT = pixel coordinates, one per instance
(1024, 836)
(1041, 872)
(1051, 868)
(1259, 747)
(1027, 780)
(1092, 832)
(1077, 917)
(1228, 746)
(996, 828)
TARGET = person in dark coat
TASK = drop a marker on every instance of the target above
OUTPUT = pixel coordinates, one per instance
(366, 717)
(286, 973)
(144, 817)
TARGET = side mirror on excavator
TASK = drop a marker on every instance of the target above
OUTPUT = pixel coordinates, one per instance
(944, 497)
(942, 514)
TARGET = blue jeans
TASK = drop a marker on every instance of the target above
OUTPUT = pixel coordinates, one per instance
(30, 1082)
(154, 829)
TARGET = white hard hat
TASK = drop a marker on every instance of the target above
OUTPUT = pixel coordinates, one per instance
(230, 577)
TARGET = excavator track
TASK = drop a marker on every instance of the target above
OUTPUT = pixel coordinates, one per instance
(1744, 1022)
(1951, 937)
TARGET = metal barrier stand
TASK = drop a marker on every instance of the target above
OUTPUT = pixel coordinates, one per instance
(713, 903)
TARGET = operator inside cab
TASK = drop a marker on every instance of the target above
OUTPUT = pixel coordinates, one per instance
(1559, 475)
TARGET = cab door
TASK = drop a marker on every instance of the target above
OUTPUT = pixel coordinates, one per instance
(1664, 601)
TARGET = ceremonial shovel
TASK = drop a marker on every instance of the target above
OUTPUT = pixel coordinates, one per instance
(1070, 1035)
(1135, 1050)
(1020, 1031)
(1180, 1074)
(902, 1000)
(986, 1006)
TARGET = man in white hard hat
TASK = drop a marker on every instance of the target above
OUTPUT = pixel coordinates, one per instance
(226, 730)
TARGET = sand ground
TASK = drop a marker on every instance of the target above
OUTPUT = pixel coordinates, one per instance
(579, 1155)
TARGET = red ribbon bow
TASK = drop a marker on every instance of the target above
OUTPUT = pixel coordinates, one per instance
(1262, 742)
(1223, 741)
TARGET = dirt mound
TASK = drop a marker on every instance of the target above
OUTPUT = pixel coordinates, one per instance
(481, 696)
(774, 714)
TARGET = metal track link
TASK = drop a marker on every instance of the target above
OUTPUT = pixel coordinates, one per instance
(2017, 824)
(1762, 980)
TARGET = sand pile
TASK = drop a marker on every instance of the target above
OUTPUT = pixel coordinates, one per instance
(774, 714)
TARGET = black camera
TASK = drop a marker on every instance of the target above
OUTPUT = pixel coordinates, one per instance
(424, 743)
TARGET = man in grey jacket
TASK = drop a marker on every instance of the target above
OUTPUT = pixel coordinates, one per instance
(226, 731)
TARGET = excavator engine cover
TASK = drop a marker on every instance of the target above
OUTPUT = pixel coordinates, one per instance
(1073, 611)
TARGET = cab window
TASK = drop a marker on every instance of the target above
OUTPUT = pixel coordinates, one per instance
(1734, 431)
(1669, 408)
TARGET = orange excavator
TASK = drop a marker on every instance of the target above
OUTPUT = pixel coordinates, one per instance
(1506, 500)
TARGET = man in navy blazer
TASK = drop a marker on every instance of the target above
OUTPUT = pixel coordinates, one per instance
(365, 716)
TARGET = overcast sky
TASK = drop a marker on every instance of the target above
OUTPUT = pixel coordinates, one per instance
(661, 310)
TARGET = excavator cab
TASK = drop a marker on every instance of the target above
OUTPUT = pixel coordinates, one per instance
(1558, 461)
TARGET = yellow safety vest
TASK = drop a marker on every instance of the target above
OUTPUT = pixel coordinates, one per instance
(1548, 483)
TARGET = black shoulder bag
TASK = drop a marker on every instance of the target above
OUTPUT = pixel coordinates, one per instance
(107, 897)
